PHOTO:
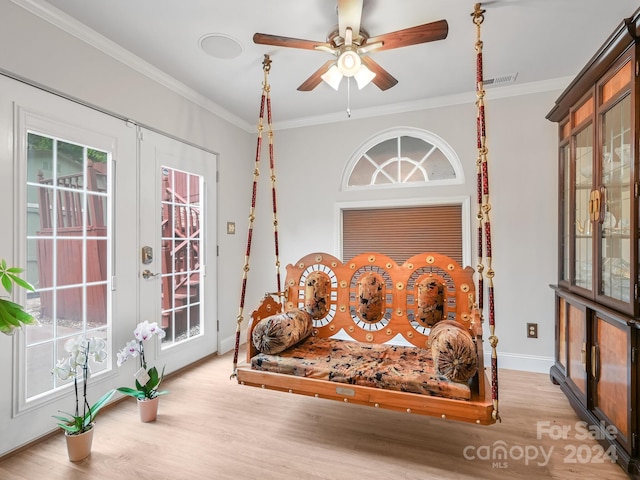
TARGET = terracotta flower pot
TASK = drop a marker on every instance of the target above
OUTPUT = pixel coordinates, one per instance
(148, 409)
(79, 445)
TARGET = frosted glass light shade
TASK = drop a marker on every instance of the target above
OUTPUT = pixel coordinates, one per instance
(333, 77)
(363, 77)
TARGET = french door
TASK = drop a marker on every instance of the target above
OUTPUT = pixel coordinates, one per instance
(82, 193)
(177, 233)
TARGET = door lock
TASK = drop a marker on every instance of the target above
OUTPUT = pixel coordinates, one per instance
(147, 255)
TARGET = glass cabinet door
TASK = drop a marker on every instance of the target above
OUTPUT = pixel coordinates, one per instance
(583, 244)
(616, 188)
(615, 177)
(565, 211)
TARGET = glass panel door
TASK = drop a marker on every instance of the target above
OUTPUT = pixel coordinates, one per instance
(67, 249)
(181, 245)
(178, 244)
(615, 251)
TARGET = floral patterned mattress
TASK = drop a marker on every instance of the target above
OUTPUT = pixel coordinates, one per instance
(407, 369)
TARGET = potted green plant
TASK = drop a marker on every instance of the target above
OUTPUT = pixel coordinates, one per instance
(79, 426)
(147, 380)
(12, 315)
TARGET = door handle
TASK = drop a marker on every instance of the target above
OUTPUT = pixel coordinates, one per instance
(595, 362)
(146, 274)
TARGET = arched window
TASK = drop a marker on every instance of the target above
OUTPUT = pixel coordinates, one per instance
(403, 157)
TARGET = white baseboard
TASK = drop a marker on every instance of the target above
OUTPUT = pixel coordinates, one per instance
(517, 361)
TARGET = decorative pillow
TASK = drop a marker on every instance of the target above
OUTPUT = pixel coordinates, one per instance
(371, 297)
(317, 293)
(453, 351)
(276, 333)
(430, 299)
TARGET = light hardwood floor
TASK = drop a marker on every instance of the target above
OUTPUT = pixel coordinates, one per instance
(209, 427)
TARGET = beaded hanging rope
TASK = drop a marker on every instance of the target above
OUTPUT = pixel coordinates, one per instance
(484, 209)
(265, 102)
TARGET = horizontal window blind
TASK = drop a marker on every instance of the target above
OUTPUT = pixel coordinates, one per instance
(403, 232)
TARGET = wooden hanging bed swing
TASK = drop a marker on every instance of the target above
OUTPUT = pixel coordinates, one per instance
(371, 332)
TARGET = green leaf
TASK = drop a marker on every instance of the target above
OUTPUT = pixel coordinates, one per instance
(100, 403)
(23, 283)
(9, 277)
(77, 424)
(131, 392)
(71, 423)
(6, 313)
(62, 419)
(6, 282)
(153, 378)
(25, 317)
(12, 313)
(69, 428)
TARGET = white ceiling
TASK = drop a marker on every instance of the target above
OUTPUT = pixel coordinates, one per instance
(540, 40)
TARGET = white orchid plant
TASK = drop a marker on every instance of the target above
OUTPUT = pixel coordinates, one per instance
(76, 365)
(147, 380)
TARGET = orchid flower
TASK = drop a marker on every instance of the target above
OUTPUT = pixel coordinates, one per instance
(135, 348)
(79, 351)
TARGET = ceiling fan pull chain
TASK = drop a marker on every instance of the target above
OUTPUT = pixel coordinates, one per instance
(349, 97)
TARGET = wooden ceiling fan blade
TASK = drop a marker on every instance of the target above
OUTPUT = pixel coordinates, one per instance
(279, 41)
(316, 78)
(383, 79)
(428, 32)
(349, 16)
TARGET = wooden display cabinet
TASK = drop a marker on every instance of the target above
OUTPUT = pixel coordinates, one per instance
(597, 308)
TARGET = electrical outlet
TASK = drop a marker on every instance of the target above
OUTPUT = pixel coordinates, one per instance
(532, 330)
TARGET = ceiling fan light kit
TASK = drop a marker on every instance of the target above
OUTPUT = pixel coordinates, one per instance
(348, 64)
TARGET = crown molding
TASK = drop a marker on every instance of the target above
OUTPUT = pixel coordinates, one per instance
(430, 103)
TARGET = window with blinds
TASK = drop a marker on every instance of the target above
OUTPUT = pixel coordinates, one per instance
(402, 232)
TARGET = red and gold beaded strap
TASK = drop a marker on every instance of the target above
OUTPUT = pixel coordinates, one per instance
(483, 214)
(265, 102)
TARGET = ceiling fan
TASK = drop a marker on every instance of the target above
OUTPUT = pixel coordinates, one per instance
(351, 44)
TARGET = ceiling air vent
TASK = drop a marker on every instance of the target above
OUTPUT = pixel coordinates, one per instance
(502, 79)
